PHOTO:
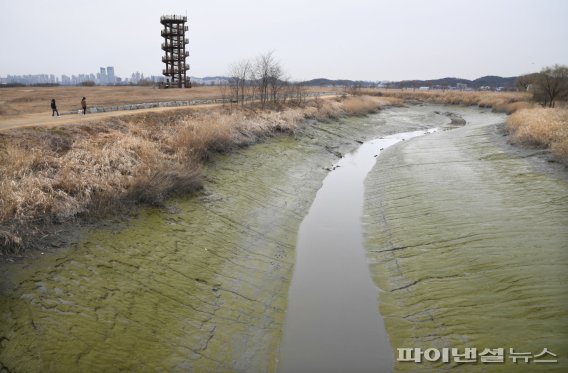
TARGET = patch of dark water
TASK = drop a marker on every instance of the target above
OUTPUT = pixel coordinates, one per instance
(332, 321)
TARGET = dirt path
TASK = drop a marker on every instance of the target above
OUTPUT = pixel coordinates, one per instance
(44, 119)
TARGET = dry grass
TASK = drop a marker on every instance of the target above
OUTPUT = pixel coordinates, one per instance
(55, 175)
(29, 100)
(528, 124)
(507, 102)
(352, 105)
(363, 104)
(541, 127)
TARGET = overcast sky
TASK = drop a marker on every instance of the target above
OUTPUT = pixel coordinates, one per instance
(351, 39)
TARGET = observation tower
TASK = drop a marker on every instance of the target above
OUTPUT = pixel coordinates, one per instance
(175, 50)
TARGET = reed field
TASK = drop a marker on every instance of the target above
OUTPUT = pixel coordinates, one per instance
(54, 175)
(57, 174)
(529, 123)
(541, 127)
(30, 100)
(507, 102)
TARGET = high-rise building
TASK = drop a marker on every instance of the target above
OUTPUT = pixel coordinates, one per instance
(111, 79)
(103, 79)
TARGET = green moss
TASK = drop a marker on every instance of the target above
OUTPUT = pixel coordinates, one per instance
(470, 250)
(202, 289)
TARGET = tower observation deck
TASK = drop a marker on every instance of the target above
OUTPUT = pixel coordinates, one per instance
(174, 46)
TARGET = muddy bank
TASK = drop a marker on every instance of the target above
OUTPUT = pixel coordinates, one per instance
(468, 242)
(201, 285)
(53, 178)
(456, 120)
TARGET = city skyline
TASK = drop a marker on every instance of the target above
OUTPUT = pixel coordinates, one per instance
(367, 40)
(105, 76)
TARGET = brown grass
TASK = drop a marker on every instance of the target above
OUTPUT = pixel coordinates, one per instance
(29, 100)
(541, 127)
(507, 102)
(56, 175)
(363, 104)
(352, 105)
(528, 124)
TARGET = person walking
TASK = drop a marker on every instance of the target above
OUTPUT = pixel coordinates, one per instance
(84, 105)
(54, 108)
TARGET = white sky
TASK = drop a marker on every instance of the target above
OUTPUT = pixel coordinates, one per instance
(356, 39)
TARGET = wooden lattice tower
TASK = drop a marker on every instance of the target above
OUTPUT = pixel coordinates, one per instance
(176, 53)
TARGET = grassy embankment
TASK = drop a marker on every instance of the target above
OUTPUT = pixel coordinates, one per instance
(51, 176)
(55, 175)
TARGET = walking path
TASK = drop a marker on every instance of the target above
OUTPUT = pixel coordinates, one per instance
(45, 119)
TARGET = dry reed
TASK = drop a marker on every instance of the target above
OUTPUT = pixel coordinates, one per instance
(58, 175)
(541, 127)
(507, 102)
(28, 100)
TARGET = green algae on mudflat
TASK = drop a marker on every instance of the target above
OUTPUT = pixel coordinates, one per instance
(469, 247)
(201, 285)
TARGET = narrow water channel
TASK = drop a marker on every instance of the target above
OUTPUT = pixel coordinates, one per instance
(332, 322)
(465, 237)
(201, 285)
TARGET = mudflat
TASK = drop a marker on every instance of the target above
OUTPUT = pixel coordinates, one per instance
(467, 240)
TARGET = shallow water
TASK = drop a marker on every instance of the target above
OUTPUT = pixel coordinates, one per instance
(475, 244)
(199, 286)
(332, 323)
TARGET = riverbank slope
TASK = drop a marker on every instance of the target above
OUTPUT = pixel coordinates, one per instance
(199, 284)
(69, 174)
(467, 241)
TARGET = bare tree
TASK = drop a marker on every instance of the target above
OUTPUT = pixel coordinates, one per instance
(298, 93)
(262, 72)
(551, 84)
(261, 80)
(275, 81)
(268, 78)
(223, 90)
(239, 73)
(523, 82)
(355, 89)
(285, 90)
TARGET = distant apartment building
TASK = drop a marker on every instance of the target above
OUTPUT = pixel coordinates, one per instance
(110, 75)
(30, 79)
(105, 76)
(101, 76)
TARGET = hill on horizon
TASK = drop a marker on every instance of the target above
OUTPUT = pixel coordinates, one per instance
(484, 81)
(491, 81)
